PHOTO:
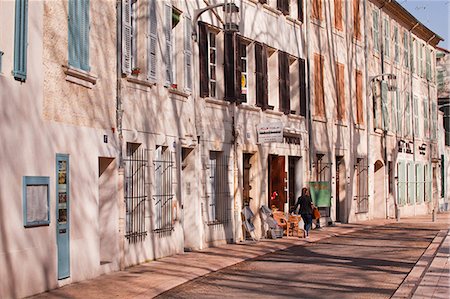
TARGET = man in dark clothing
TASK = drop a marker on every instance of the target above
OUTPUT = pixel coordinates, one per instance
(304, 203)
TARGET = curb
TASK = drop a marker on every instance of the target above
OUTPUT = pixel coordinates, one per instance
(413, 279)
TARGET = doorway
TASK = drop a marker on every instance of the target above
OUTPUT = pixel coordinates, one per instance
(340, 189)
(107, 209)
(277, 182)
(379, 187)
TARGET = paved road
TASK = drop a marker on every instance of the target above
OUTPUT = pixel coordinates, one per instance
(367, 263)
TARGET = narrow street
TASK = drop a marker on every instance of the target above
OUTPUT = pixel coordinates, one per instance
(367, 263)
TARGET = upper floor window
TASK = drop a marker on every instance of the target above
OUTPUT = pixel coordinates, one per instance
(359, 97)
(396, 46)
(405, 49)
(208, 61)
(317, 10)
(79, 34)
(387, 37)
(20, 40)
(243, 63)
(340, 97)
(319, 92)
(283, 6)
(420, 68)
(338, 15)
(356, 20)
(376, 31)
(428, 64)
(212, 63)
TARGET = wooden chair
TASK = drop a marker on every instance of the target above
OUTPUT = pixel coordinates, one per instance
(281, 220)
(292, 225)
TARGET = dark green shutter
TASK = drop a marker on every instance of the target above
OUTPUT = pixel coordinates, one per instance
(203, 59)
(20, 40)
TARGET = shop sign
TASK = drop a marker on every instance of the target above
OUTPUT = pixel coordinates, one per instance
(270, 132)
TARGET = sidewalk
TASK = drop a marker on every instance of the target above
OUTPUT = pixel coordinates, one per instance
(431, 273)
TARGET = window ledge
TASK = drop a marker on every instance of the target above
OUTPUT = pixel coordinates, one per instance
(339, 32)
(378, 132)
(178, 92)
(295, 116)
(246, 106)
(340, 123)
(360, 126)
(79, 77)
(319, 119)
(140, 81)
(217, 102)
(294, 21)
(318, 22)
(271, 9)
(279, 113)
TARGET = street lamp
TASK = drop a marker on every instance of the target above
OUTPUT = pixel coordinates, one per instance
(231, 15)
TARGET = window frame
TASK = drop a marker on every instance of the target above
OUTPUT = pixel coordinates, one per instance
(35, 181)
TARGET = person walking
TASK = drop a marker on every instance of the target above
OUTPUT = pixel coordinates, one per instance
(304, 206)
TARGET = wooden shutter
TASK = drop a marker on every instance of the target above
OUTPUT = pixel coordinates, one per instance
(302, 69)
(79, 34)
(152, 41)
(384, 105)
(356, 20)
(20, 40)
(338, 15)
(85, 27)
(126, 36)
(187, 54)
(407, 114)
(300, 10)
(168, 36)
(203, 59)
(399, 110)
(261, 75)
(340, 97)
(229, 66)
(359, 98)
(316, 9)
(283, 83)
(319, 100)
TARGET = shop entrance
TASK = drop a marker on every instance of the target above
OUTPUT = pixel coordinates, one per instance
(277, 182)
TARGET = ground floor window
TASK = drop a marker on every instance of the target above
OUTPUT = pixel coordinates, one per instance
(163, 193)
(218, 198)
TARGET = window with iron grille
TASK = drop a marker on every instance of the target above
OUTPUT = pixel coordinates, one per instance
(163, 194)
(136, 183)
(323, 169)
(362, 197)
(218, 189)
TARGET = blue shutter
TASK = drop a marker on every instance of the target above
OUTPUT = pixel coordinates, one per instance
(20, 40)
(79, 34)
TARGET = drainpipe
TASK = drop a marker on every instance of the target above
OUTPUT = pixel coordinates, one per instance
(308, 94)
(119, 114)
(411, 103)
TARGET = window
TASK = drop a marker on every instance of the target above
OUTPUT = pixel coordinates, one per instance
(302, 69)
(426, 124)
(376, 31)
(208, 61)
(283, 88)
(261, 76)
(283, 6)
(20, 40)
(416, 117)
(362, 198)
(338, 15)
(401, 171)
(420, 67)
(411, 183)
(319, 98)
(440, 78)
(428, 64)
(385, 105)
(135, 192)
(399, 109)
(405, 49)
(340, 97)
(407, 114)
(377, 105)
(434, 115)
(163, 192)
(36, 201)
(152, 41)
(218, 189)
(396, 46)
(169, 54)
(387, 37)
(356, 20)
(413, 57)
(79, 34)
(359, 98)
(317, 9)
(244, 70)
(134, 34)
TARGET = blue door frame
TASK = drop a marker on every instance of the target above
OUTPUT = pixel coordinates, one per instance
(62, 215)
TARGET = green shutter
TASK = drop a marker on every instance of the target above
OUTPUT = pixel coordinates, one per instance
(79, 34)
(411, 183)
(407, 114)
(384, 105)
(20, 40)
(401, 183)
